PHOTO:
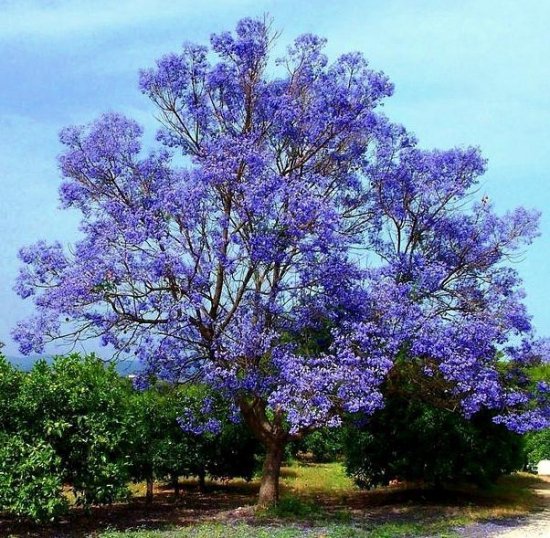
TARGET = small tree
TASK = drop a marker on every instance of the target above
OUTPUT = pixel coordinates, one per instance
(153, 423)
(31, 479)
(297, 204)
(162, 449)
(221, 445)
(537, 448)
(11, 380)
(416, 441)
(323, 445)
(77, 406)
(537, 444)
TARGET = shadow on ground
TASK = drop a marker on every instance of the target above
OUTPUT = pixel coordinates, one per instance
(221, 502)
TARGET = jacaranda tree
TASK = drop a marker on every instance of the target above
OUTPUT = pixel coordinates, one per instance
(282, 204)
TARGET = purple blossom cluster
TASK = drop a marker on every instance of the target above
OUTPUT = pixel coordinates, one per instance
(299, 210)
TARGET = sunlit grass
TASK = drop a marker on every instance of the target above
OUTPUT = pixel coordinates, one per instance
(323, 478)
(513, 496)
(215, 530)
(321, 501)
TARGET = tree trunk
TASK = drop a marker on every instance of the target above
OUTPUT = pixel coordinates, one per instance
(202, 481)
(271, 433)
(176, 484)
(271, 471)
(149, 492)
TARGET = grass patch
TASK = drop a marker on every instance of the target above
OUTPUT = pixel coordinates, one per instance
(212, 530)
(512, 496)
(441, 529)
(292, 507)
(311, 478)
(322, 485)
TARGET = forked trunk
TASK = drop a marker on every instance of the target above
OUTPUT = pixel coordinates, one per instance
(271, 433)
(271, 471)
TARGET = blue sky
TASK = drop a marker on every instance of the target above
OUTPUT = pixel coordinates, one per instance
(466, 73)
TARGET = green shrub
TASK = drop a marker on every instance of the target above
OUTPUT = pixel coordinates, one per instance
(324, 445)
(537, 444)
(161, 449)
(78, 405)
(537, 447)
(413, 440)
(83, 426)
(31, 481)
(290, 506)
(11, 380)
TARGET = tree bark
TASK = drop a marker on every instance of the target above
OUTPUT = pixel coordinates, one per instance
(269, 485)
(202, 481)
(149, 492)
(272, 435)
(176, 485)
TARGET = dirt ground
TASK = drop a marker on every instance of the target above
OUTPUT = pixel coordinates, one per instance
(536, 525)
(229, 502)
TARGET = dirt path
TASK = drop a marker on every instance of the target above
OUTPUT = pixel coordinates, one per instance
(536, 525)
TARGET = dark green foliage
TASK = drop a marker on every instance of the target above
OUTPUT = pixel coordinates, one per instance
(233, 453)
(10, 386)
(31, 481)
(154, 436)
(413, 440)
(291, 507)
(31, 478)
(322, 446)
(161, 449)
(229, 453)
(67, 426)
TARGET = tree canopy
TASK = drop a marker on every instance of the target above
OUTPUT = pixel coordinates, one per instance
(282, 204)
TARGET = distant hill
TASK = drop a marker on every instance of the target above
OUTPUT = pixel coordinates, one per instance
(123, 367)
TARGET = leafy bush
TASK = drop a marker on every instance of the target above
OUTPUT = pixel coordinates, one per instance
(78, 406)
(69, 420)
(323, 446)
(11, 380)
(162, 449)
(413, 440)
(537, 444)
(31, 480)
(290, 506)
(233, 453)
(224, 446)
(537, 447)
(81, 425)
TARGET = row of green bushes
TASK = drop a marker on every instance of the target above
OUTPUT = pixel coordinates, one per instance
(78, 426)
